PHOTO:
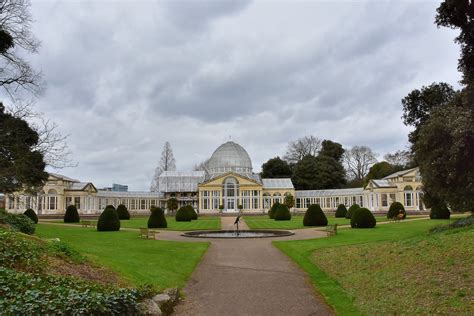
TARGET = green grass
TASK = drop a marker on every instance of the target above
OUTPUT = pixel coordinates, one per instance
(163, 264)
(203, 223)
(303, 252)
(296, 222)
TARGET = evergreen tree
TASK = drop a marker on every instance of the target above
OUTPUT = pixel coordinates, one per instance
(276, 168)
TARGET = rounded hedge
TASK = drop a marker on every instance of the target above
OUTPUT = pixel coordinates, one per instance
(282, 213)
(32, 215)
(395, 209)
(183, 214)
(351, 210)
(271, 211)
(341, 211)
(71, 215)
(108, 220)
(439, 211)
(192, 211)
(363, 218)
(157, 218)
(315, 216)
(123, 212)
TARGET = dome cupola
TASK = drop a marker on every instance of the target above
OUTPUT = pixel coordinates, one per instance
(230, 157)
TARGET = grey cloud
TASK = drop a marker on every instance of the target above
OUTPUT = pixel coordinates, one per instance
(124, 77)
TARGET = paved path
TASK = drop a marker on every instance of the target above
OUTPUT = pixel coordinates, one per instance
(249, 277)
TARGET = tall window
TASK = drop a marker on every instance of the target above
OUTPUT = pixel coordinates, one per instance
(52, 199)
(215, 200)
(267, 201)
(77, 202)
(255, 199)
(277, 198)
(384, 199)
(11, 202)
(205, 200)
(408, 195)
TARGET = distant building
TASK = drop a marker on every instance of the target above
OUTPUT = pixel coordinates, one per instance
(119, 187)
(227, 185)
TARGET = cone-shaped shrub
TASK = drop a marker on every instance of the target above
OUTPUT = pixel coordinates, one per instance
(315, 216)
(157, 218)
(282, 213)
(351, 210)
(395, 209)
(71, 215)
(108, 220)
(363, 218)
(32, 215)
(439, 211)
(183, 214)
(123, 212)
(341, 211)
(271, 212)
(192, 211)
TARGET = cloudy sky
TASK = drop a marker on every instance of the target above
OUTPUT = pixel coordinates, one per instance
(123, 77)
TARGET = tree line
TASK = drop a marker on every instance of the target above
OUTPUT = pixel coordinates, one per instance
(315, 164)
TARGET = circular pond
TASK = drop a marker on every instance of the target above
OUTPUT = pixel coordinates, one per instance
(239, 234)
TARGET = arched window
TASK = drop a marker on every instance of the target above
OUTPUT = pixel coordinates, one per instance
(408, 193)
(230, 193)
(277, 197)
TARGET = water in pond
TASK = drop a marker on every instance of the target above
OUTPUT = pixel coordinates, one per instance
(240, 234)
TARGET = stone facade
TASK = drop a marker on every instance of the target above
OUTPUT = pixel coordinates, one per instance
(228, 185)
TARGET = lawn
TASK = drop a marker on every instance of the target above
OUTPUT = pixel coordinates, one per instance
(364, 271)
(296, 222)
(163, 264)
(203, 223)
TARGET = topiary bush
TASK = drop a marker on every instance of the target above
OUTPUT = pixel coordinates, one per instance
(192, 212)
(341, 211)
(183, 214)
(31, 215)
(363, 218)
(351, 210)
(157, 218)
(315, 216)
(282, 213)
(71, 215)
(271, 212)
(439, 211)
(123, 212)
(395, 209)
(108, 220)
(18, 222)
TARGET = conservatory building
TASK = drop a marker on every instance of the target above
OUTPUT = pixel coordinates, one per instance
(228, 185)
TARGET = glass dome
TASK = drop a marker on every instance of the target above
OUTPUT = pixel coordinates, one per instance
(228, 157)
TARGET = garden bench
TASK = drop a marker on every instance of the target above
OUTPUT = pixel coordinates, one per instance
(147, 233)
(86, 223)
(397, 218)
(331, 230)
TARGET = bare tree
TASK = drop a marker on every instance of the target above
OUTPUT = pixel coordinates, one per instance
(202, 166)
(358, 161)
(16, 38)
(167, 163)
(52, 144)
(304, 146)
(399, 158)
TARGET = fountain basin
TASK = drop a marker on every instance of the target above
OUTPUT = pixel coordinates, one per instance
(241, 234)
